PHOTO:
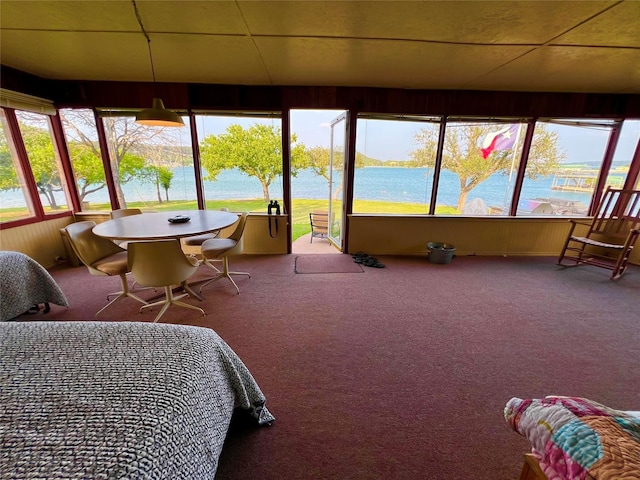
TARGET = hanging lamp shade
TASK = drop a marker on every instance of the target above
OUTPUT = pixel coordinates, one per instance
(158, 116)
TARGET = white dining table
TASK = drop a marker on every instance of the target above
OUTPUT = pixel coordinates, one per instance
(156, 225)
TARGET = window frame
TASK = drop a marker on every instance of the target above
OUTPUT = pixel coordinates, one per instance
(67, 169)
(39, 214)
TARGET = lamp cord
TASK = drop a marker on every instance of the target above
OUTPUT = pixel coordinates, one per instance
(146, 35)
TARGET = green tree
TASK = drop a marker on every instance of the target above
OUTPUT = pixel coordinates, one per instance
(87, 164)
(37, 139)
(87, 168)
(8, 176)
(159, 176)
(127, 153)
(256, 152)
(165, 176)
(319, 161)
(462, 155)
(89, 171)
(42, 159)
(319, 158)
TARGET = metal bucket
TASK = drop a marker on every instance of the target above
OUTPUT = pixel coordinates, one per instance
(440, 253)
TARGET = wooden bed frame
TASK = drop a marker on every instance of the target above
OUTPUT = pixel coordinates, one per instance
(531, 469)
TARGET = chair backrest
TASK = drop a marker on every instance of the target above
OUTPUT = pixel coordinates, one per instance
(159, 263)
(237, 236)
(319, 221)
(88, 246)
(125, 212)
(239, 231)
(617, 214)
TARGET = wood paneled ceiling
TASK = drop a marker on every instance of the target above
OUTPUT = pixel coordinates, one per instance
(544, 46)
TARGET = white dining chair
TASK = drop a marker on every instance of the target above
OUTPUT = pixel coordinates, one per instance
(162, 263)
(222, 249)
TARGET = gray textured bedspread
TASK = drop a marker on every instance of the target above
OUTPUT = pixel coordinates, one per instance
(116, 400)
(24, 283)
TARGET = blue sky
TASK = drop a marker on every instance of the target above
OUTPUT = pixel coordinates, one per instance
(395, 140)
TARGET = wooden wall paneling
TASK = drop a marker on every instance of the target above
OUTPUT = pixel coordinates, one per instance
(22, 82)
(382, 235)
(234, 97)
(313, 98)
(67, 93)
(379, 235)
(119, 94)
(41, 241)
(257, 240)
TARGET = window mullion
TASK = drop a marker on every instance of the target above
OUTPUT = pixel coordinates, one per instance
(63, 151)
(106, 162)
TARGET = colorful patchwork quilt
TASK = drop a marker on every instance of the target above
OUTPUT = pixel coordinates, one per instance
(577, 438)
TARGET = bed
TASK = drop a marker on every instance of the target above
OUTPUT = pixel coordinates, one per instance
(24, 284)
(576, 438)
(112, 400)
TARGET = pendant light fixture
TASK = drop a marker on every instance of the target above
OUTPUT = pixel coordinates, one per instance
(157, 115)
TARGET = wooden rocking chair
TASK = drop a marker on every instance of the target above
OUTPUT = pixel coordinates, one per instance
(610, 236)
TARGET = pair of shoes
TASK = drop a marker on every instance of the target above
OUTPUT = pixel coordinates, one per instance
(367, 260)
(372, 262)
(360, 257)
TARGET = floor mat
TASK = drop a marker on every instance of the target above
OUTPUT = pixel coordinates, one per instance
(326, 264)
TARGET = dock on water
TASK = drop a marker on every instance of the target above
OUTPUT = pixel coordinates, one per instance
(584, 180)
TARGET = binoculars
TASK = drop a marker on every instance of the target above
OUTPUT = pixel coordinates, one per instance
(273, 208)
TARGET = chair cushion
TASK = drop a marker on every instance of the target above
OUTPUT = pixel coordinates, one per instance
(115, 264)
(213, 248)
(197, 240)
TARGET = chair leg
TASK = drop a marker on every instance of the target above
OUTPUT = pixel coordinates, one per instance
(120, 295)
(563, 252)
(169, 300)
(185, 286)
(621, 265)
(129, 289)
(211, 265)
(225, 274)
(125, 292)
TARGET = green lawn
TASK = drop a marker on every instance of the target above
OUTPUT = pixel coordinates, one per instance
(300, 214)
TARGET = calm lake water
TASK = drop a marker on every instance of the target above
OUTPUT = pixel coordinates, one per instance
(392, 184)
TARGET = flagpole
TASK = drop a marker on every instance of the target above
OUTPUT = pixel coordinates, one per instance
(513, 162)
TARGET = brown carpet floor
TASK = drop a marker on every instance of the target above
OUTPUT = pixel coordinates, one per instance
(403, 372)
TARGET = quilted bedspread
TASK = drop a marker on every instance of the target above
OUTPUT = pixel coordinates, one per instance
(577, 438)
(118, 400)
(23, 283)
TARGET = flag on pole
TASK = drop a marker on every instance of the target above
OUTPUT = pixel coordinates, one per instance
(501, 140)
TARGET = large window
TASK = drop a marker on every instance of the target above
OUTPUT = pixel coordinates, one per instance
(395, 158)
(480, 165)
(15, 201)
(152, 167)
(627, 145)
(86, 160)
(44, 159)
(576, 148)
(480, 160)
(241, 157)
